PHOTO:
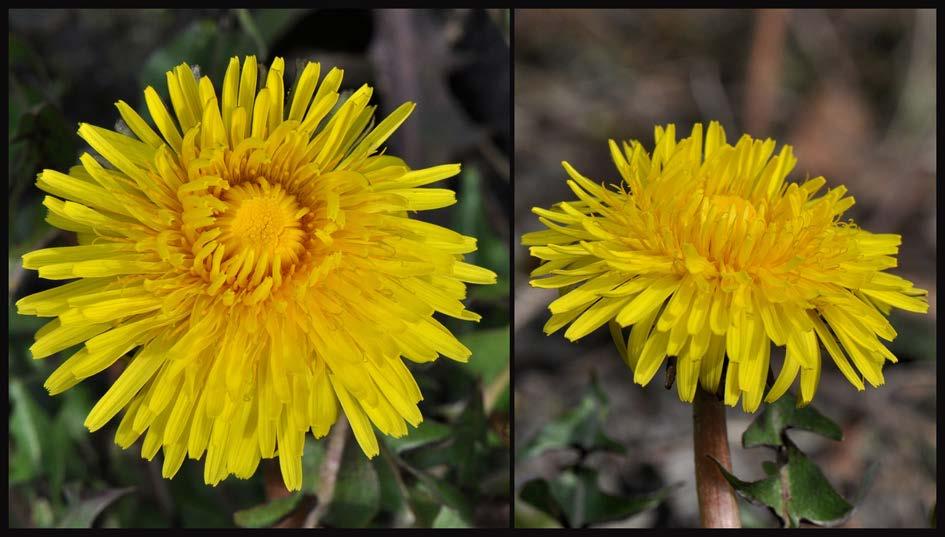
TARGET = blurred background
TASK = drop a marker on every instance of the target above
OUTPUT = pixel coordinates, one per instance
(854, 93)
(68, 66)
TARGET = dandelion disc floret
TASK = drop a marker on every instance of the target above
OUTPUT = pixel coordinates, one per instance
(257, 257)
(710, 256)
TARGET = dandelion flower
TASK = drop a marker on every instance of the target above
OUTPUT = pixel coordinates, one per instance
(706, 252)
(257, 256)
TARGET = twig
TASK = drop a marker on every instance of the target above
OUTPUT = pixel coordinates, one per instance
(717, 505)
(328, 473)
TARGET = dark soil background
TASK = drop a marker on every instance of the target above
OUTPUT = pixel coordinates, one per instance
(854, 93)
(68, 66)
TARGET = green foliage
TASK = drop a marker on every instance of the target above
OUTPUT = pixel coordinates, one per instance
(492, 251)
(451, 467)
(83, 513)
(573, 497)
(29, 424)
(357, 492)
(781, 415)
(210, 45)
(449, 518)
(490, 352)
(581, 427)
(440, 492)
(39, 136)
(527, 516)
(795, 488)
(429, 432)
(267, 514)
(797, 491)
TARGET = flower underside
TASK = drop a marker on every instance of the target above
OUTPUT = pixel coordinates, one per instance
(261, 258)
(706, 252)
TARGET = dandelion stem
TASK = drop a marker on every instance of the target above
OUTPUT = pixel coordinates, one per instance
(717, 505)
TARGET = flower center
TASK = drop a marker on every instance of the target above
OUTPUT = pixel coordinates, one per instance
(262, 218)
(260, 221)
(263, 237)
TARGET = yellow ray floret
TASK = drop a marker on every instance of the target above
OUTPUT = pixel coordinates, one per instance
(707, 253)
(257, 258)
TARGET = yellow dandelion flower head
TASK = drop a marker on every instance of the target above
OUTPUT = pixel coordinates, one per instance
(706, 252)
(259, 258)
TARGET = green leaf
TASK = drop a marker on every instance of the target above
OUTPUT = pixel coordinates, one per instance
(466, 450)
(575, 496)
(267, 514)
(493, 254)
(204, 43)
(503, 401)
(193, 45)
(392, 495)
(21, 469)
(312, 456)
(812, 497)
(528, 516)
(264, 26)
(490, 352)
(25, 325)
(770, 467)
(580, 427)
(29, 424)
(60, 450)
(449, 518)
(469, 218)
(424, 504)
(469, 444)
(428, 432)
(84, 513)
(75, 405)
(766, 491)
(210, 45)
(781, 415)
(249, 26)
(798, 491)
(357, 492)
(42, 511)
(443, 492)
(491, 293)
(469, 203)
(198, 505)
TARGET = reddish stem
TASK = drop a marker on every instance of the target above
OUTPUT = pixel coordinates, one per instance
(717, 505)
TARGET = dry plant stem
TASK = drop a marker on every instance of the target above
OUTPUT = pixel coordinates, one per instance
(328, 473)
(717, 505)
